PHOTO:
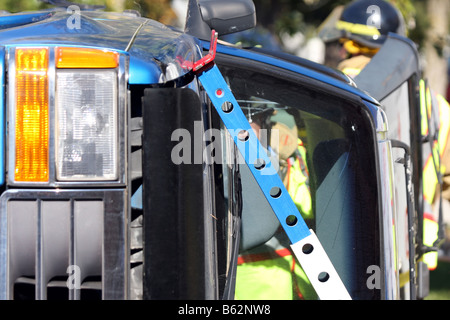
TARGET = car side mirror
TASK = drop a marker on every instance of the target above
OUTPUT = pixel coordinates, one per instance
(224, 17)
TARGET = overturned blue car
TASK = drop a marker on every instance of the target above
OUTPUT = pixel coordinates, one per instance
(140, 161)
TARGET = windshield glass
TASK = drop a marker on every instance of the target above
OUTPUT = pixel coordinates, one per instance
(325, 151)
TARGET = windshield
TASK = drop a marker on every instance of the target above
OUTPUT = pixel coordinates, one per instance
(324, 149)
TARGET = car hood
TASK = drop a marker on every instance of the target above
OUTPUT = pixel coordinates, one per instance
(157, 53)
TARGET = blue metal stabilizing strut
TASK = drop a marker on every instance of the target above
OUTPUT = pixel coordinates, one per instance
(305, 244)
(254, 154)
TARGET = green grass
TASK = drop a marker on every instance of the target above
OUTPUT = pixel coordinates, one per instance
(440, 282)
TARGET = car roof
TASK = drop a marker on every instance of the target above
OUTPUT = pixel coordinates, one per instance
(299, 65)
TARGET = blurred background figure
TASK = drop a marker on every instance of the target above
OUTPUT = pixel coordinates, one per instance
(354, 34)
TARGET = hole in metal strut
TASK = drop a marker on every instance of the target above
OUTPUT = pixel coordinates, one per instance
(243, 135)
(227, 107)
(275, 192)
(260, 164)
(323, 277)
(291, 220)
(307, 248)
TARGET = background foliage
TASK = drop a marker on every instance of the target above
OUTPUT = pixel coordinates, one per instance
(278, 16)
(293, 16)
(155, 9)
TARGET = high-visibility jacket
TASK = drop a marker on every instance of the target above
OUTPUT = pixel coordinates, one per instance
(297, 182)
(272, 275)
(430, 231)
(270, 271)
(435, 112)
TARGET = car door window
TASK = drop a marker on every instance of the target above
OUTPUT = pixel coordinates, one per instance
(323, 146)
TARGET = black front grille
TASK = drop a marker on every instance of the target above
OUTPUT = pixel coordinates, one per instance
(63, 245)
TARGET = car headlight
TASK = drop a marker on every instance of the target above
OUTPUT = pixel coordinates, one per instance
(86, 130)
(66, 114)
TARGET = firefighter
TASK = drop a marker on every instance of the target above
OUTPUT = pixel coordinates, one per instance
(270, 271)
(436, 113)
(293, 167)
(363, 27)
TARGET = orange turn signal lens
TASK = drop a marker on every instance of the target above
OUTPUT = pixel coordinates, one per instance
(31, 115)
(68, 57)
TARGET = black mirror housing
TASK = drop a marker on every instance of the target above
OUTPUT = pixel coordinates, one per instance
(228, 16)
(225, 17)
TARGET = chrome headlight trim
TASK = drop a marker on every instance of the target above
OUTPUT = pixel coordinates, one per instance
(121, 120)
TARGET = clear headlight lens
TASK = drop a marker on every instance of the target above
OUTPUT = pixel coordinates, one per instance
(86, 125)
